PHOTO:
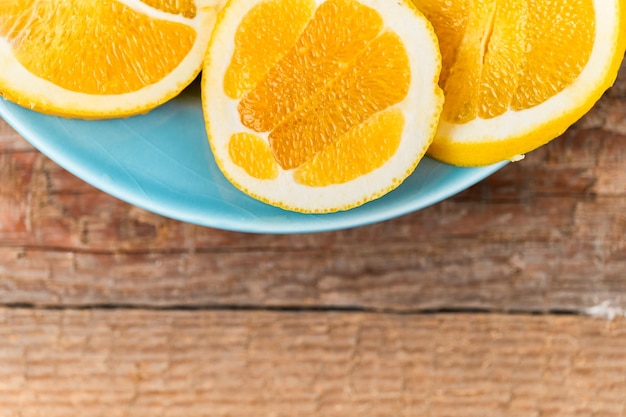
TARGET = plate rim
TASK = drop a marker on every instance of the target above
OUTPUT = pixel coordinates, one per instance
(324, 222)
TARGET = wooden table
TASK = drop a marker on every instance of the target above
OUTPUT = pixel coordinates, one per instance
(505, 300)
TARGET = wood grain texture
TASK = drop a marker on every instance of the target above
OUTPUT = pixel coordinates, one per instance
(199, 363)
(541, 235)
(109, 310)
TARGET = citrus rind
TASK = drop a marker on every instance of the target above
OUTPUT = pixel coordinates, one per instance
(421, 109)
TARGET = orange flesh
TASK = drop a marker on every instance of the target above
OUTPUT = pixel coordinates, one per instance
(185, 8)
(257, 48)
(501, 54)
(252, 154)
(368, 86)
(118, 57)
(341, 70)
(551, 66)
(362, 149)
(323, 51)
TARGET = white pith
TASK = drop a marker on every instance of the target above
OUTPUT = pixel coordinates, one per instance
(421, 109)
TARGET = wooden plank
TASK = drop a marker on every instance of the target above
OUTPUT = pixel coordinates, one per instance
(198, 363)
(10, 141)
(543, 234)
(562, 270)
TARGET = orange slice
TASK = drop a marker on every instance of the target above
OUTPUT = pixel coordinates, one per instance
(517, 73)
(320, 106)
(100, 59)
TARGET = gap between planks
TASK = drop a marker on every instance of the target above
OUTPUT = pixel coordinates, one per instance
(298, 309)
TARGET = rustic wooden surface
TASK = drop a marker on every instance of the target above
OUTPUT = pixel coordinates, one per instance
(250, 364)
(507, 299)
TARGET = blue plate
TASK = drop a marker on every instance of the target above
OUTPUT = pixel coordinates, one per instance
(162, 162)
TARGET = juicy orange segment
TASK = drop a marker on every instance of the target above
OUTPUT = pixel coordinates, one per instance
(344, 90)
(510, 54)
(504, 47)
(125, 64)
(517, 73)
(556, 50)
(323, 52)
(359, 151)
(251, 153)
(307, 99)
(186, 8)
(486, 62)
(331, 112)
(105, 58)
(257, 46)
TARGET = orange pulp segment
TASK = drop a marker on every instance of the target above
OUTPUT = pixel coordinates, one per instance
(514, 54)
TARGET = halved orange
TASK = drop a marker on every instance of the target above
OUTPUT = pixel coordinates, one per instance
(517, 73)
(320, 106)
(100, 59)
